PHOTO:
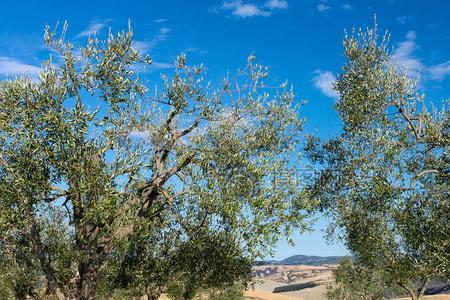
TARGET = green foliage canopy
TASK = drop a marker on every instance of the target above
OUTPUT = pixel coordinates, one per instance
(385, 180)
(89, 142)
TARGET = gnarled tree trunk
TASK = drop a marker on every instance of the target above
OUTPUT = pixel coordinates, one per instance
(87, 282)
(87, 242)
(45, 262)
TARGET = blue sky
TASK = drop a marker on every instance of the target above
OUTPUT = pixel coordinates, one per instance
(300, 40)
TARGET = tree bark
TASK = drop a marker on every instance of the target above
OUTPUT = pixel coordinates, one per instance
(409, 290)
(88, 279)
(45, 263)
(86, 238)
(423, 288)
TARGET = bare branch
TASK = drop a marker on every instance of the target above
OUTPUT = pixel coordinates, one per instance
(415, 177)
(180, 165)
(166, 195)
(55, 197)
(162, 153)
(409, 120)
(58, 189)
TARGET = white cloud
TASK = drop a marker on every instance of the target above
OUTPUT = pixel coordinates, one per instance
(197, 50)
(159, 20)
(404, 55)
(159, 65)
(12, 67)
(404, 19)
(164, 31)
(142, 135)
(274, 4)
(153, 67)
(440, 71)
(322, 7)
(411, 35)
(346, 6)
(250, 10)
(324, 82)
(145, 45)
(243, 10)
(93, 28)
(246, 10)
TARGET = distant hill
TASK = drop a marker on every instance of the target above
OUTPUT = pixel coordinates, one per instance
(310, 260)
(303, 260)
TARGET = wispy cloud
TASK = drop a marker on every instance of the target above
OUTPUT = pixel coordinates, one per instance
(440, 71)
(145, 45)
(94, 27)
(405, 56)
(434, 25)
(404, 19)
(141, 135)
(160, 66)
(276, 4)
(240, 9)
(153, 67)
(347, 6)
(159, 20)
(244, 10)
(323, 80)
(322, 7)
(12, 67)
(196, 50)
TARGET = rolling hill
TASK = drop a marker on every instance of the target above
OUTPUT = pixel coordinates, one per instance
(303, 260)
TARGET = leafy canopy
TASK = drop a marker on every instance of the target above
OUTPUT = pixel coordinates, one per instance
(385, 179)
(87, 141)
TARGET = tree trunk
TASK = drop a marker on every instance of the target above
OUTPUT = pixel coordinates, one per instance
(88, 279)
(153, 294)
(45, 262)
(83, 286)
(415, 294)
(411, 292)
(88, 246)
(423, 288)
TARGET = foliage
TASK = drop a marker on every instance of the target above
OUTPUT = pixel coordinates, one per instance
(189, 156)
(384, 180)
(177, 291)
(209, 261)
(356, 282)
(151, 265)
(20, 267)
(234, 292)
(17, 278)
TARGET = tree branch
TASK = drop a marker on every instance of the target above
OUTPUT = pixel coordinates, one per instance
(423, 288)
(409, 290)
(415, 177)
(45, 262)
(408, 119)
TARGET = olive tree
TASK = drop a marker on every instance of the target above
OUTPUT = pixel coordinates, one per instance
(89, 140)
(153, 264)
(209, 261)
(385, 180)
(19, 266)
(354, 281)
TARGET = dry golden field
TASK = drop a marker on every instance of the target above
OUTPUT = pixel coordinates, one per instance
(272, 276)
